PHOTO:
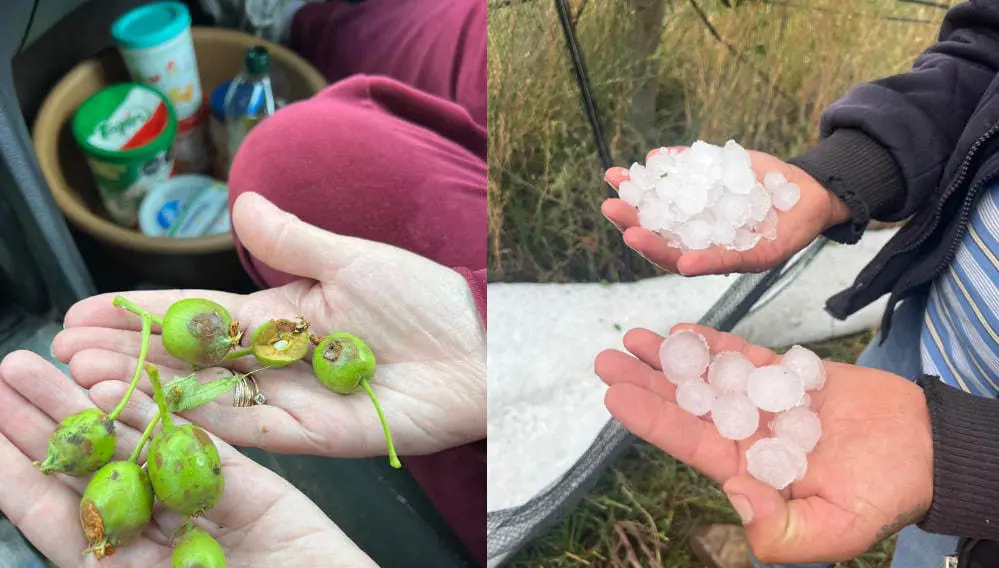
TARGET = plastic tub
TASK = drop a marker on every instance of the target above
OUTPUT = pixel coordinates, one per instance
(127, 132)
(209, 261)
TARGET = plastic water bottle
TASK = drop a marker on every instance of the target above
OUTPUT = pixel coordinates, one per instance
(250, 98)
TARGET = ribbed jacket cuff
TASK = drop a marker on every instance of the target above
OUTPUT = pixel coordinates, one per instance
(965, 462)
(859, 171)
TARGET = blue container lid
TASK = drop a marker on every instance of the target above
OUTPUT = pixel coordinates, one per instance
(218, 100)
(151, 25)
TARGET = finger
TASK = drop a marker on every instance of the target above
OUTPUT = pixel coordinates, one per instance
(91, 366)
(719, 342)
(645, 345)
(249, 489)
(43, 385)
(98, 311)
(781, 531)
(619, 213)
(288, 244)
(673, 430)
(615, 367)
(614, 176)
(266, 426)
(71, 341)
(43, 508)
(652, 247)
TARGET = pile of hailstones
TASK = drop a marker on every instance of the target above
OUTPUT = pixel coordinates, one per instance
(707, 195)
(736, 391)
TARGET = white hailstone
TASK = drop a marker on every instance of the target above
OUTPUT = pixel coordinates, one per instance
(744, 240)
(735, 417)
(729, 372)
(695, 396)
(786, 196)
(708, 183)
(767, 228)
(631, 193)
(807, 365)
(759, 203)
(695, 234)
(722, 233)
(776, 462)
(661, 162)
(654, 215)
(733, 154)
(704, 153)
(641, 176)
(773, 180)
(691, 200)
(774, 388)
(668, 187)
(734, 209)
(800, 426)
(738, 179)
(684, 356)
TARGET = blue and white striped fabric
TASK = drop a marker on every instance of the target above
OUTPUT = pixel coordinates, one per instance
(960, 335)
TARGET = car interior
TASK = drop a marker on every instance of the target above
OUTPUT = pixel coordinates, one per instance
(46, 266)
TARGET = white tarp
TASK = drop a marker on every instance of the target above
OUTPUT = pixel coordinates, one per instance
(545, 402)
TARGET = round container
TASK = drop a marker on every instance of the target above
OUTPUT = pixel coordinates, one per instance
(155, 42)
(192, 152)
(186, 206)
(127, 132)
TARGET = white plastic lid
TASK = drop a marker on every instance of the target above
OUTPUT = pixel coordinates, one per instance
(185, 206)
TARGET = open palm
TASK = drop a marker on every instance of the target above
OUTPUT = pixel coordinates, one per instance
(816, 211)
(418, 317)
(261, 519)
(870, 473)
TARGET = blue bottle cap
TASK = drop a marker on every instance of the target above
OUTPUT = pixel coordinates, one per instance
(151, 25)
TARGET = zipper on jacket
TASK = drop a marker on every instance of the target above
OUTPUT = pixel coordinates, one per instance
(962, 174)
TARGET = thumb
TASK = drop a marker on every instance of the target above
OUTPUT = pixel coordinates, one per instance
(287, 244)
(783, 531)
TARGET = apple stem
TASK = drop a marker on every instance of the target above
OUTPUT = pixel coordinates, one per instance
(122, 302)
(154, 377)
(238, 353)
(147, 323)
(393, 458)
(134, 458)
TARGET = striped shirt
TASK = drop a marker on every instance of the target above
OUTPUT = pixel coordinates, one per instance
(960, 335)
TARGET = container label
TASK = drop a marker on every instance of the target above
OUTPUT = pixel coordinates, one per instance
(136, 121)
(122, 186)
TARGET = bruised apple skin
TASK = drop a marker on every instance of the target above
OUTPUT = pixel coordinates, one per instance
(185, 470)
(116, 506)
(81, 444)
(199, 332)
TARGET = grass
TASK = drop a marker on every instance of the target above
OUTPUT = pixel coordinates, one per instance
(546, 184)
(545, 180)
(646, 506)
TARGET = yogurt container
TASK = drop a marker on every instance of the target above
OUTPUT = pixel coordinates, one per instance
(186, 206)
(126, 132)
(155, 42)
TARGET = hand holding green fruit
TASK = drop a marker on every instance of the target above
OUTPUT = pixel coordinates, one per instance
(266, 521)
(419, 318)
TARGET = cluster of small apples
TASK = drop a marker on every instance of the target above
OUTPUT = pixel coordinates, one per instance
(183, 470)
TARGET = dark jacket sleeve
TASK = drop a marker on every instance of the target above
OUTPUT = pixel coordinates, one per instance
(965, 462)
(884, 145)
